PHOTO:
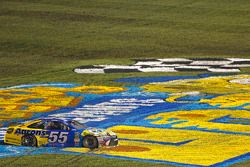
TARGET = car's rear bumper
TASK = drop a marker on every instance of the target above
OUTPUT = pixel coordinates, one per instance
(11, 140)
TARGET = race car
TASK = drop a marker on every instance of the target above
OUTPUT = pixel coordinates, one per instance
(55, 132)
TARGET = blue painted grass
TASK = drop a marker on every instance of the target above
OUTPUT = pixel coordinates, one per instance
(38, 100)
(232, 161)
(145, 80)
(49, 84)
(135, 118)
(24, 107)
(229, 120)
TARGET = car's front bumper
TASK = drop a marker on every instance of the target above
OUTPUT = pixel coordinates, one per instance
(113, 142)
(108, 141)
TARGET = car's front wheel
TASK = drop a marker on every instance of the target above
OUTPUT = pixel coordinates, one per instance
(90, 142)
(29, 140)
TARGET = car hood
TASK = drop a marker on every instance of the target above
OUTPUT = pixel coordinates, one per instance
(97, 132)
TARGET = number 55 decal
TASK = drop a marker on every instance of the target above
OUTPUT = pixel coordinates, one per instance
(60, 137)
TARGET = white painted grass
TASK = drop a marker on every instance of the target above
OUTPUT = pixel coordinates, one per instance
(194, 93)
(238, 59)
(158, 65)
(210, 62)
(193, 67)
(157, 69)
(148, 63)
(101, 111)
(223, 70)
(168, 65)
(241, 81)
(2, 132)
(119, 67)
(89, 71)
(237, 65)
(175, 60)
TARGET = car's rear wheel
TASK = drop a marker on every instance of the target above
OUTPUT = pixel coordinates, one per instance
(29, 140)
(90, 142)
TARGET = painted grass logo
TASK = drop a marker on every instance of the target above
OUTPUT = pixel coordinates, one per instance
(25, 102)
(198, 121)
(171, 65)
(101, 111)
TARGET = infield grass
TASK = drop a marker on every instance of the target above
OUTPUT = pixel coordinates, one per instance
(43, 40)
(47, 160)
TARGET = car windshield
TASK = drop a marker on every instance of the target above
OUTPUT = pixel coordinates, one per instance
(37, 125)
(77, 125)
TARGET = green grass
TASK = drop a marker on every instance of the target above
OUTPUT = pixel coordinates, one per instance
(43, 40)
(73, 160)
(46, 160)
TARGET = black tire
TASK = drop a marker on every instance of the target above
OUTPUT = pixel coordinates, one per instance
(113, 142)
(90, 142)
(29, 140)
